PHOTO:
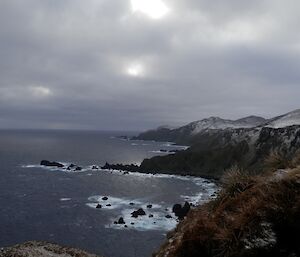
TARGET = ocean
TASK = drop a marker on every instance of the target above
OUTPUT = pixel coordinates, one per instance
(56, 205)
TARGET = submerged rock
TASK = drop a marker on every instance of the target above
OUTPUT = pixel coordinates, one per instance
(99, 206)
(105, 198)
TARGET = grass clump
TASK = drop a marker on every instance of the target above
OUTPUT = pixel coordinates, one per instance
(252, 216)
(276, 160)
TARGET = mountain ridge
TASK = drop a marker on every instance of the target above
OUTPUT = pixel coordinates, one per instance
(216, 146)
(186, 134)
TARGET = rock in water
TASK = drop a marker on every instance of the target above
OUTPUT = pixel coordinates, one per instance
(176, 208)
(51, 164)
(121, 221)
(139, 212)
(180, 211)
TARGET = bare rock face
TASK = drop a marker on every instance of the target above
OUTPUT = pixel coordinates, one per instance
(42, 249)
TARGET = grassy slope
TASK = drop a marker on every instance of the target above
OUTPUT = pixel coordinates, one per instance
(252, 216)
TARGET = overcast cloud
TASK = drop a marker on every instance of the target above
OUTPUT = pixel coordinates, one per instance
(123, 65)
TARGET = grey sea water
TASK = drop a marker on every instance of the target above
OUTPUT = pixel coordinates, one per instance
(58, 206)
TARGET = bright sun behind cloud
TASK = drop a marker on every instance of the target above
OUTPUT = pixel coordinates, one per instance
(39, 91)
(154, 9)
(135, 70)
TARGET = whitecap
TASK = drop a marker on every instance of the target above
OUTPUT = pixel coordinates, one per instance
(160, 152)
(114, 202)
(144, 223)
(65, 199)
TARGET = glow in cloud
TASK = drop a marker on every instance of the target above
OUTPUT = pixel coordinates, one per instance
(40, 91)
(135, 70)
(154, 9)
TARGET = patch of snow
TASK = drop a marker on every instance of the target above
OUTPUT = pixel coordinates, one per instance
(218, 123)
(289, 119)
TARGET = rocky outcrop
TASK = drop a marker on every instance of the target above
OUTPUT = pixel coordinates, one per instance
(123, 167)
(42, 249)
(181, 211)
(139, 212)
(51, 164)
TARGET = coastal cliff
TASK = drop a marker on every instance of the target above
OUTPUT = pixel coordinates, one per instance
(214, 151)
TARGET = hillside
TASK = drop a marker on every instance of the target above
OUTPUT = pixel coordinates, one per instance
(188, 134)
(253, 216)
(289, 119)
(215, 151)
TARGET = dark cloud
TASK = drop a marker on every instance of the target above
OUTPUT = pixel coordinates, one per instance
(64, 64)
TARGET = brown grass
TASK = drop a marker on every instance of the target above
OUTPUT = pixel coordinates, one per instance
(225, 226)
(275, 161)
(296, 160)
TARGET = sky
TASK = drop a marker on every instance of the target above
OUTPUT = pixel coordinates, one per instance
(139, 64)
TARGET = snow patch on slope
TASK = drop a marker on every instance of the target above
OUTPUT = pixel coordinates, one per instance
(289, 119)
(218, 123)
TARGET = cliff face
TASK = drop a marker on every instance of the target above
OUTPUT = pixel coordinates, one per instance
(252, 217)
(214, 151)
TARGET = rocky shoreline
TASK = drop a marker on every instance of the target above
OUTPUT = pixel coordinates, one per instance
(212, 153)
(124, 168)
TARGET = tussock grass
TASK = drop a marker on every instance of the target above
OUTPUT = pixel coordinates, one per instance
(252, 216)
(296, 160)
(275, 161)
